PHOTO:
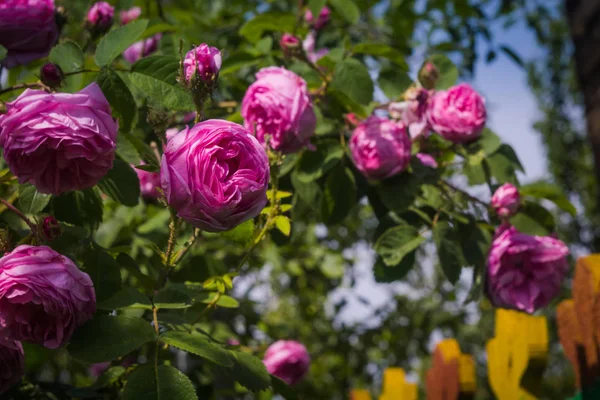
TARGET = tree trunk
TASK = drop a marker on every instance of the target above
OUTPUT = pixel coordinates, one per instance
(584, 23)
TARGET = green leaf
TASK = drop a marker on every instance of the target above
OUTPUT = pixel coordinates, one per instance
(548, 191)
(127, 297)
(104, 271)
(156, 76)
(68, 55)
(399, 192)
(145, 151)
(352, 78)
(228, 302)
(381, 50)
(485, 146)
(448, 71)
(237, 61)
(118, 40)
(149, 382)
(121, 184)
(119, 96)
(308, 192)
(475, 242)
(247, 370)
(283, 224)
(533, 219)
(254, 29)
(106, 338)
(347, 9)
(504, 165)
(81, 208)
(315, 7)
(3, 52)
(449, 250)
(159, 28)
(393, 82)
(171, 299)
(314, 164)
(31, 201)
(241, 234)
(199, 345)
(512, 55)
(128, 153)
(397, 242)
(108, 378)
(339, 195)
(385, 274)
(283, 389)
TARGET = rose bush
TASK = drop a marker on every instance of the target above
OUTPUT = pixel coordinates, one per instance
(220, 199)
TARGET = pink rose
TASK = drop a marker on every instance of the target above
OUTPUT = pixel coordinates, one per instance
(149, 183)
(380, 148)
(506, 200)
(278, 105)
(141, 49)
(525, 272)
(171, 132)
(321, 21)
(414, 114)
(100, 16)
(309, 47)
(130, 15)
(458, 114)
(12, 363)
(215, 175)
(27, 30)
(287, 360)
(204, 60)
(59, 142)
(43, 296)
(427, 160)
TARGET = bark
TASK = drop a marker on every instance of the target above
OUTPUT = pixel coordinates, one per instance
(584, 23)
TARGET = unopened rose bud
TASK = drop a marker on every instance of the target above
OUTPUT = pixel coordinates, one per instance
(352, 119)
(100, 17)
(50, 228)
(204, 62)
(130, 15)
(289, 44)
(51, 75)
(506, 200)
(428, 75)
(321, 21)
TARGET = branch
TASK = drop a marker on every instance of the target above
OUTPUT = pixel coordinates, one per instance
(38, 85)
(464, 193)
(8, 205)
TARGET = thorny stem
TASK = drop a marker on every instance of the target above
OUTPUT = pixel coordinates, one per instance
(20, 214)
(274, 212)
(464, 193)
(38, 85)
(155, 318)
(173, 226)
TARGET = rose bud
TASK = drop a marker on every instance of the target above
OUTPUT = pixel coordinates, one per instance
(428, 75)
(287, 360)
(215, 175)
(278, 105)
(28, 30)
(351, 119)
(59, 142)
(322, 20)
(141, 49)
(506, 200)
(100, 17)
(525, 272)
(44, 297)
(289, 44)
(51, 229)
(149, 183)
(458, 114)
(203, 62)
(12, 363)
(380, 148)
(130, 15)
(51, 75)
(427, 160)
